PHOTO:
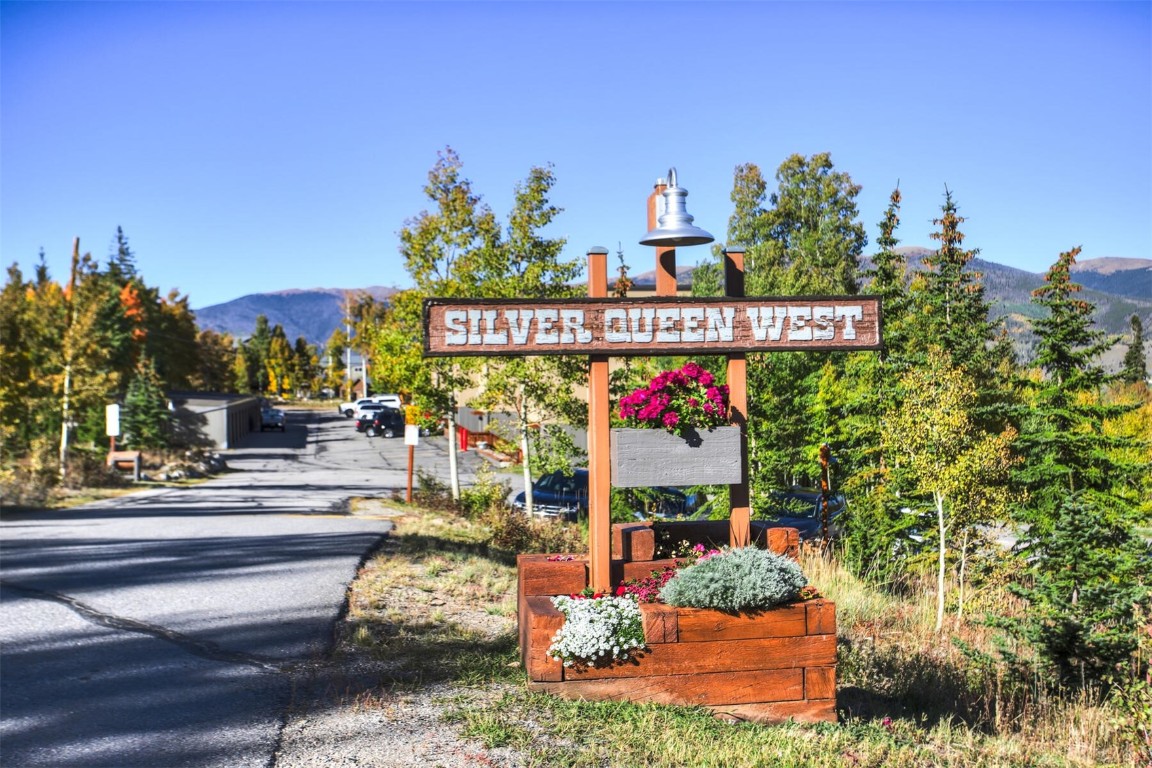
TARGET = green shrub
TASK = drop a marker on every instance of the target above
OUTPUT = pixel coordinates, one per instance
(740, 579)
(487, 493)
(515, 532)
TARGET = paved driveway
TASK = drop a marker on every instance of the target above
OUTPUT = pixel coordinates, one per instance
(163, 628)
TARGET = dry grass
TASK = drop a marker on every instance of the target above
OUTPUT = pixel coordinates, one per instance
(893, 664)
(438, 604)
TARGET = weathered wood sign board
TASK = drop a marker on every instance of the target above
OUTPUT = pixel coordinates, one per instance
(665, 326)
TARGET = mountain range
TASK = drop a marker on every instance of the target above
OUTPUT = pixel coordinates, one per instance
(313, 313)
(1118, 287)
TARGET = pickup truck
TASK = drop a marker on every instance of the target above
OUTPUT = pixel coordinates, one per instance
(351, 409)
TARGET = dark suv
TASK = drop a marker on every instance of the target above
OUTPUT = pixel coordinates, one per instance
(385, 423)
(559, 495)
(800, 508)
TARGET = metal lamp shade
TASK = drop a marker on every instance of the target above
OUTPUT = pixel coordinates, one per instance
(674, 227)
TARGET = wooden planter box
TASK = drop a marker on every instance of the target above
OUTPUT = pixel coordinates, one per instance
(654, 457)
(766, 666)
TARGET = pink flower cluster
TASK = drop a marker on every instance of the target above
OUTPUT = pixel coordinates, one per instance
(647, 589)
(702, 553)
(687, 398)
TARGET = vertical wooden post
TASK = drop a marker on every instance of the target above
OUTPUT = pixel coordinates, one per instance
(599, 461)
(665, 257)
(411, 463)
(739, 524)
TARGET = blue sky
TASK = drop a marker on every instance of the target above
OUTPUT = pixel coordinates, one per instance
(257, 146)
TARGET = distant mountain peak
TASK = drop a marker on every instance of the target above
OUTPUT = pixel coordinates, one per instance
(378, 292)
(1109, 265)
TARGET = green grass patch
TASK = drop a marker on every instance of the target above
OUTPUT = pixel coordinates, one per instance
(432, 601)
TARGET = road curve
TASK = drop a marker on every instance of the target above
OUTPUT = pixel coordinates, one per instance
(164, 628)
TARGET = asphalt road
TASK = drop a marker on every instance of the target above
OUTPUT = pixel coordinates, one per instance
(166, 628)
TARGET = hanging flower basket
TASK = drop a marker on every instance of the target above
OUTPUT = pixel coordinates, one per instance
(676, 433)
(652, 457)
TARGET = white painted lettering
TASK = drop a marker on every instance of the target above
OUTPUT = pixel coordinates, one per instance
(474, 318)
(693, 317)
(720, 323)
(455, 330)
(634, 317)
(573, 324)
(520, 323)
(822, 322)
(848, 314)
(545, 323)
(616, 326)
(666, 318)
(765, 325)
(491, 335)
(799, 330)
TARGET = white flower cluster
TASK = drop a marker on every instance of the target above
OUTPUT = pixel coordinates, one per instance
(597, 630)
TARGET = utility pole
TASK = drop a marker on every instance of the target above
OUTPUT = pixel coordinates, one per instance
(66, 410)
(347, 346)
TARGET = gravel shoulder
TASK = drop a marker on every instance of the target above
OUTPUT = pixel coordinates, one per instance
(358, 709)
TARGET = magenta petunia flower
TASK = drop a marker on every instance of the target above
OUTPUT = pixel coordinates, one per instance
(676, 400)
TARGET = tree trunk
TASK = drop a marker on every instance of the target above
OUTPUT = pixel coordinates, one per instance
(453, 472)
(963, 570)
(524, 448)
(940, 565)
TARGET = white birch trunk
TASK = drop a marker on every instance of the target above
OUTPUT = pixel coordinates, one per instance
(940, 569)
(453, 471)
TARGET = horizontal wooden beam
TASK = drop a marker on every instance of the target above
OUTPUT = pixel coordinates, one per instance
(653, 326)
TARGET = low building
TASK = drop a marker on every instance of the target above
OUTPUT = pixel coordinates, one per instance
(214, 420)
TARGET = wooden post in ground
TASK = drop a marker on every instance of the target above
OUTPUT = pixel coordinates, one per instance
(740, 523)
(599, 463)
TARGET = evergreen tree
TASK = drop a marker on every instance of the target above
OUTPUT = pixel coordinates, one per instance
(1135, 366)
(874, 539)
(256, 357)
(952, 311)
(145, 419)
(1087, 564)
(805, 241)
(888, 279)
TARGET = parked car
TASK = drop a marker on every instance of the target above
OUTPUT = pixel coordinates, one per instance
(368, 414)
(271, 418)
(800, 508)
(353, 408)
(559, 495)
(371, 409)
(387, 422)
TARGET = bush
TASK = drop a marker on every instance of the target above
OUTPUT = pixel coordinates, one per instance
(513, 531)
(488, 493)
(88, 468)
(29, 483)
(740, 579)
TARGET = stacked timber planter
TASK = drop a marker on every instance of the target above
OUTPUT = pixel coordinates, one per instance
(765, 666)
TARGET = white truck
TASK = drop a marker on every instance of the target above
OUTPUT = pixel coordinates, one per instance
(351, 409)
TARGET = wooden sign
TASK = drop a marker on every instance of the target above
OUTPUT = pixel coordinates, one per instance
(650, 326)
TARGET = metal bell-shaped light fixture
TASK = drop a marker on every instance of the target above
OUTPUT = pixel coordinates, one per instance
(674, 227)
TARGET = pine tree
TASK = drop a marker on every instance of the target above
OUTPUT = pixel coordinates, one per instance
(1088, 566)
(145, 419)
(1135, 366)
(806, 241)
(952, 311)
(874, 525)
